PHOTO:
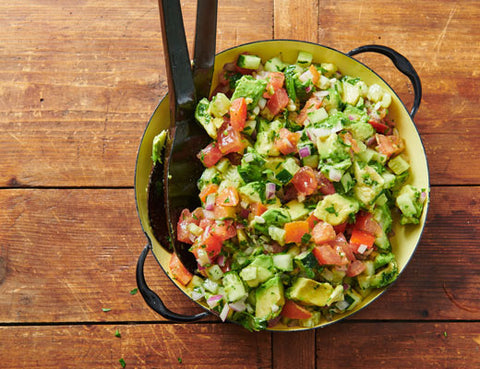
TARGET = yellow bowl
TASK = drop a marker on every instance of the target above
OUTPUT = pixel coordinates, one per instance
(406, 238)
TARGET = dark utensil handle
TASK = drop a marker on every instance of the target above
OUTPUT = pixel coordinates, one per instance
(205, 46)
(402, 64)
(152, 299)
(177, 60)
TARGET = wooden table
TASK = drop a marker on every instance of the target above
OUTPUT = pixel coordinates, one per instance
(78, 82)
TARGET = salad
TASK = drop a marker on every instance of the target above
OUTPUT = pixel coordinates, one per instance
(302, 180)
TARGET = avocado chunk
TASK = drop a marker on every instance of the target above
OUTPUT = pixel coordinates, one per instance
(335, 209)
(310, 292)
(260, 270)
(249, 88)
(272, 217)
(269, 299)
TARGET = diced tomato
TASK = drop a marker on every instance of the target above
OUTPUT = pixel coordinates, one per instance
(294, 231)
(287, 141)
(206, 247)
(178, 270)
(355, 268)
(323, 232)
(312, 220)
(224, 212)
(210, 155)
(257, 209)
(227, 197)
(340, 228)
(292, 310)
(365, 222)
(312, 104)
(183, 235)
(238, 114)
(305, 181)
(341, 242)
(278, 101)
(206, 222)
(275, 82)
(229, 140)
(224, 230)
(389, 145)
(326, 255)
(350, 141)
(207, 190)
(359, 237)
(379, 126)
(325, 186)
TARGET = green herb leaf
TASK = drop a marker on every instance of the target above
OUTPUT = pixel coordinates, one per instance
(134, 291)
(117, 333)
(179, 360)
(122, 362)
(106, 309)
(306, 237)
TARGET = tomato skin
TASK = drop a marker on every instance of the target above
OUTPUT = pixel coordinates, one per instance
(294, 231)
(229, 140)
(210, 155)
(275, 82)
(341, 243)
(183, 235)
(292, 310)
(238, 114)
(287, 141)
(323, 232)
(278, 101)
(365, 222)
(178, 270)
(208, 190)
(379, 126)
(305, 181)
(360, 237)
(325, 186)
(228, 197)
(224, 230)
(206, 247)
(355, 268)
(325, 255)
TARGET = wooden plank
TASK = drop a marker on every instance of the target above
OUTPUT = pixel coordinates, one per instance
(140, 345)
(296, 20)
(399, 345)
(70, 253)
(79, 84)
(291, 350)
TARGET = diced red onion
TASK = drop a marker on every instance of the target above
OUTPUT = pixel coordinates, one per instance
(224, 313)
(210, 202)
(308, 89)
(238, 305)
(244, 213)
(304, 151)
(221, 260)
(423, 196)
(334, 175)
(362, 248)
(270, 190)
(273, 322)
(213, 301)
(371, 141)
(351, 117)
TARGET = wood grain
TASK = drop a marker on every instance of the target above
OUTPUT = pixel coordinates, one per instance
(70, 253)
(140, 345)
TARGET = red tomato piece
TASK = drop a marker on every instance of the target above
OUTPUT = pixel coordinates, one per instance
(340, 228)
(294, 231)
(229, 140)
(389, 145)
(228, 197)
(341, 242)
(364, 221)
(292, 310)
(275, 82)
(183, 235)
(257, 209)
(287, 141)
(315, 74)
(359, 237)
(178, 270)
(208, 190)
(278, 101)
(325, 186)
(210, 155)
(325, 255)
(305, 181)
(224, 230)
(312, 104)
(323, 232)
(379, 126)
(355, 268)
(206, 247)
(312, 221)
(238, 114)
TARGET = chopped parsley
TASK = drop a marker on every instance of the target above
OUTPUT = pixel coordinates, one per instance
(117, 333)
(331, 210)
(105, 310)
(134, 291)
(122, 362)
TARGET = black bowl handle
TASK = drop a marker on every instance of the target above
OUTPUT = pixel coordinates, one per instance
(152, 299)
(402, 64)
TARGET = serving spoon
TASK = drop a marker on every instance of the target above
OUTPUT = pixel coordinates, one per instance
(173, 181)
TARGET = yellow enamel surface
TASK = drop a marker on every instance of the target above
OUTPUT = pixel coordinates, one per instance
(406, 238)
